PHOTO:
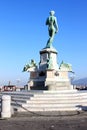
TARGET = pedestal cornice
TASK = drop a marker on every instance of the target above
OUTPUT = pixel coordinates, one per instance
(50, 50)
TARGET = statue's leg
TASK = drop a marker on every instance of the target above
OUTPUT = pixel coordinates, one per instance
(50, 40)
(48, 43)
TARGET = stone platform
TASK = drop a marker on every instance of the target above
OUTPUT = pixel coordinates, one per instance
(49, 76)
(36, 101)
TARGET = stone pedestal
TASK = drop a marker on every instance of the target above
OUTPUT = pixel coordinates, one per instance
(57, 80)
(49, 76)
(48, 59)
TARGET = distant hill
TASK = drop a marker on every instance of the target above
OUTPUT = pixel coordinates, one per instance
(82, 81)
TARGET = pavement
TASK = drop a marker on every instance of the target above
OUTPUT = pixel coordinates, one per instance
(46, 121)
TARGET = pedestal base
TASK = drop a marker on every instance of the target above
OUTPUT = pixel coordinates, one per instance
(49, 76)
(51, 80)
(58, 86)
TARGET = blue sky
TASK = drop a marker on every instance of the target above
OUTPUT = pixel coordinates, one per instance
(23, 34)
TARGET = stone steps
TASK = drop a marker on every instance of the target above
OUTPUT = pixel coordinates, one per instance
(52, 105)
(57, 97)
(39, 93)
(46, 94)
(66, 100)
(40, 109)
(51, 100)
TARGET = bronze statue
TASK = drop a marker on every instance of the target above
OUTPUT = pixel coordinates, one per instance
(32, 64)
(52, 28)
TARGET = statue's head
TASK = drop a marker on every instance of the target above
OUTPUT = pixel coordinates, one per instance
(52, 12)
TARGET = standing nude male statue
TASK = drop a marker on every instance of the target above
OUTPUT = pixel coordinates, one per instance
(52, 28)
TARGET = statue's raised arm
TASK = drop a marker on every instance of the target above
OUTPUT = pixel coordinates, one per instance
(52, 28)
